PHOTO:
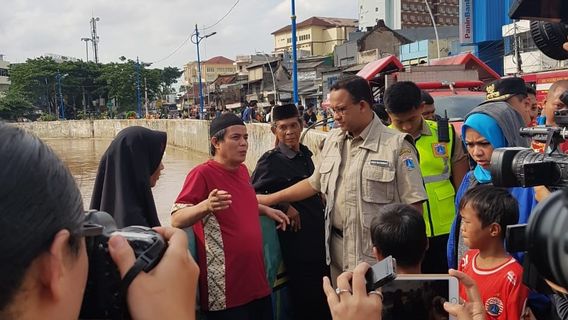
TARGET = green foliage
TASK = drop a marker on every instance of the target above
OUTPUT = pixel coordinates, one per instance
(36, 82)
(47, 117)
(14, 105)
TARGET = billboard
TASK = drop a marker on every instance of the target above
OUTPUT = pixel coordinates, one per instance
(466, 21)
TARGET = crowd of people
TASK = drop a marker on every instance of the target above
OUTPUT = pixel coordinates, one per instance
(414, 190)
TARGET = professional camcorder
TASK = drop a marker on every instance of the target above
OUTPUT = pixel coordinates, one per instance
(105, 294)
(545, 242)
(549, 24)
(522, 167)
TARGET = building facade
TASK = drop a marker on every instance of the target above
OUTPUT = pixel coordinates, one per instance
(316, 36)
(401, 14)
(4, 75)
(210, 70)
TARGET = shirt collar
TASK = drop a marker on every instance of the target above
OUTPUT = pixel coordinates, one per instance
(425, 130)
(364, 134)
(289, 153)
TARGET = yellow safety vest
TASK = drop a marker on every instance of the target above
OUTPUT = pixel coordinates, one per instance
(436, 167)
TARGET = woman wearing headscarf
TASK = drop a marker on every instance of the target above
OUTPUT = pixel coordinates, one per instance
(128, 170)
(487, 127)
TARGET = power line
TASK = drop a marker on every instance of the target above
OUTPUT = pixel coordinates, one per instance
(223, 17)
(192, 33)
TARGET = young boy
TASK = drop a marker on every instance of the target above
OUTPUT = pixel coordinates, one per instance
(399, 231)
(486, 211)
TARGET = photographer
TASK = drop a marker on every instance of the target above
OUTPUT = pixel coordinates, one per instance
(44, 264)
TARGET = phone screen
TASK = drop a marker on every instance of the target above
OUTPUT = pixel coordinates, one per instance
(415, 299)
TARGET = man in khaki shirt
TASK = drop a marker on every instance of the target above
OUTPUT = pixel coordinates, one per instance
(363, 166)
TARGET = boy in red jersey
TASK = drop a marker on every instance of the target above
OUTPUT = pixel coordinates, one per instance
(486, 211)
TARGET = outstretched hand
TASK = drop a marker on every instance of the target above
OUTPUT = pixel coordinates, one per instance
(218, 200)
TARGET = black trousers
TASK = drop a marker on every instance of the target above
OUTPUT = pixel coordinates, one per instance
(436, 259)
(260, 309)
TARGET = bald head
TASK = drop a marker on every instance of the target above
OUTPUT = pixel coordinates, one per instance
(553, 102)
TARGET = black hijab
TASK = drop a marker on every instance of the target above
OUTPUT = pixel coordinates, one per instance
(122, 187)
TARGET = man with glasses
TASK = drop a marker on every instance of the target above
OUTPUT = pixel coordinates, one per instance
(302, 245)
(363, 166)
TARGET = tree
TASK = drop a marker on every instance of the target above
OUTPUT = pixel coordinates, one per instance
(14, 105)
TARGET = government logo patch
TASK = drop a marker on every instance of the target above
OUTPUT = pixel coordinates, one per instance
(440, 150)
(494, 306)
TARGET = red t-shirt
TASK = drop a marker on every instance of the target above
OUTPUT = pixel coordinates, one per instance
(229, 242)
(502, 290)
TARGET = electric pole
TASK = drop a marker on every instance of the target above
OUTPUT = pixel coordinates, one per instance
(86, 46)
(95, 38)
(518, 61)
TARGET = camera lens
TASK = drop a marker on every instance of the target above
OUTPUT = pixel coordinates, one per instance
(549, 38)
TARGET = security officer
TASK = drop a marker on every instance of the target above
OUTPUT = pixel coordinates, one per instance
(443, 164)
(363, 166)
(302, 245)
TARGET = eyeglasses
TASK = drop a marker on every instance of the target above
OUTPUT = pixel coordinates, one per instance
(340, 111)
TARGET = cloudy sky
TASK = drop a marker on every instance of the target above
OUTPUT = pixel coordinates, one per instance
(151, 29)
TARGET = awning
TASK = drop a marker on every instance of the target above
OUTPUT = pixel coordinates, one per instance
(233, 105)
(389, 63)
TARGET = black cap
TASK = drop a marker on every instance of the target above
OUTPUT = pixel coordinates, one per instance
(426, 97)
(224, 121)
(503, 89)
(284, 112)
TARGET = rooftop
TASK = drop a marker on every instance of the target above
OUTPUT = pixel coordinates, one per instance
(321, 22)
(219, 60)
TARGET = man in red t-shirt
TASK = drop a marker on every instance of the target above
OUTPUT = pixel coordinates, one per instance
(218, 200)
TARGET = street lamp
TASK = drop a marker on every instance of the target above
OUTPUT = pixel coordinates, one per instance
(86, 46)
(196, 42)
(435, 29)
(58, 77)
(294, 55)
(272, 72)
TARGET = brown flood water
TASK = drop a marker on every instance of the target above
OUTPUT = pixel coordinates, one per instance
(82, 156)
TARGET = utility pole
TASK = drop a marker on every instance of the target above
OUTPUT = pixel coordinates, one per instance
(196, 42)
(516, 44)
(95, 37)
(61, 104)
(138, 97)
(146, 96)
(86, 46)
(294, 55)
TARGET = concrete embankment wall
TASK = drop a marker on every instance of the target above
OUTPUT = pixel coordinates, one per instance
(189, 134)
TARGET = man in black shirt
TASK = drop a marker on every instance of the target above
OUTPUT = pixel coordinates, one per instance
(302, 245)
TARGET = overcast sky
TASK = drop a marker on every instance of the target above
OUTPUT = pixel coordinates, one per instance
(151, 29)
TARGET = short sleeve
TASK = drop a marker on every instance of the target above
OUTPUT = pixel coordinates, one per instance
(409, 178)
(314, 179)
(194, 190)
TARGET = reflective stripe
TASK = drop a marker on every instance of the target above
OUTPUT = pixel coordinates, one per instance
(440, 177)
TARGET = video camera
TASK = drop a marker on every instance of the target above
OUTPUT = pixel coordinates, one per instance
(522, 167)
(550, 33)
(105, 294)
(545, 242)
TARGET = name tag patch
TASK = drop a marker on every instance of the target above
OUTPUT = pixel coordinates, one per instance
(380, 163)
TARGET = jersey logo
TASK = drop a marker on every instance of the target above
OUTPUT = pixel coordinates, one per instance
(440, 150)
(494, 306)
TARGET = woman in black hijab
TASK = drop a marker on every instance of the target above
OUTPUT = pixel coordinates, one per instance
(128, 170)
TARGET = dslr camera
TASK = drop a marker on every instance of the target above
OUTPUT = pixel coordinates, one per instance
(522, 167)
(549, 24)
(105, 294)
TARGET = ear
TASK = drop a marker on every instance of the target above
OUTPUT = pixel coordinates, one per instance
(52, 267)
(377, 253)
(421, 107)
(273, 129)
(495, 230)
(215, 142)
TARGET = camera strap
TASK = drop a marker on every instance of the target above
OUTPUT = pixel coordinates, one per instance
(138, 266)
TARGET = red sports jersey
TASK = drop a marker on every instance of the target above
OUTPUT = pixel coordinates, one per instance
(229, 242)
(502, 291)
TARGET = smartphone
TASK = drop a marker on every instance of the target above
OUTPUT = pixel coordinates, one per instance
(419, 297)
(381, 273)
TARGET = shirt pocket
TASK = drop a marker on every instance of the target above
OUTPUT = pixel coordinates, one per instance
(325, 173)
(378, 184)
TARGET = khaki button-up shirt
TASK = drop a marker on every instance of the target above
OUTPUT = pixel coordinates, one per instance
(359, 177)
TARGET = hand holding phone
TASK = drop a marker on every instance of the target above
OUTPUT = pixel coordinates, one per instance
(381, 273)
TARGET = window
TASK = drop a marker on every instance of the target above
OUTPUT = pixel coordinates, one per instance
(376, 9)
(210, 69)
(3, 72)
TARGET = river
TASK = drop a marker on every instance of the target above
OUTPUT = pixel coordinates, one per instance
(82, 156)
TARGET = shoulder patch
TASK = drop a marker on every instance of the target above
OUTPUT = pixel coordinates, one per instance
(407, 159)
